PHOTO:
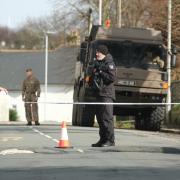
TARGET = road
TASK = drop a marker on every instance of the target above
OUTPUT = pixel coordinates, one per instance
(138, 155)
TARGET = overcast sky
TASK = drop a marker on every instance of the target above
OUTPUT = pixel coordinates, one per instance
(14, 12)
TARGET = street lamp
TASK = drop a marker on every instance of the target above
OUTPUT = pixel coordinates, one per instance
(46, 34)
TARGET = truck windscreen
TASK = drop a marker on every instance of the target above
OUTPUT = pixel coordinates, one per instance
(138, 55)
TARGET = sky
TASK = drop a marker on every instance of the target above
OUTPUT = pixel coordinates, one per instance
(13, 13)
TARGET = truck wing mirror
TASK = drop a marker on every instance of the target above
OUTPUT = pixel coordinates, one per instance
(174, 49)
(173, 60)
(173, 56)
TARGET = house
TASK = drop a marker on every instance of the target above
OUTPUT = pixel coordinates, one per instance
(4, 106)
(61, 71)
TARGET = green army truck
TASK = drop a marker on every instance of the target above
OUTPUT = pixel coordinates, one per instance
(140, 58)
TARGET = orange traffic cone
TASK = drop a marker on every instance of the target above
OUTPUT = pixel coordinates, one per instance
(63, 142)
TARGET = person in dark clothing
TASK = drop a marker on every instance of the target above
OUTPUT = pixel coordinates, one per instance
(103, 78)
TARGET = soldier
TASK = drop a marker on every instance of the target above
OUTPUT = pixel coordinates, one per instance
(159, 61)
(104, 77)
(30, 93)
(149, 60)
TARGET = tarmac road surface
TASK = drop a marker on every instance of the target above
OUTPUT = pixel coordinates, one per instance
(30, 153)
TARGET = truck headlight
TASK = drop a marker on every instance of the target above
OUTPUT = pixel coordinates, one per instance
(165, 85)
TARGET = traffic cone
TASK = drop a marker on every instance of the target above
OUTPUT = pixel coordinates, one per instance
(63, 142)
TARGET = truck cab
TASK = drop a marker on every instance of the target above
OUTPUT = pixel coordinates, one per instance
(140, 58)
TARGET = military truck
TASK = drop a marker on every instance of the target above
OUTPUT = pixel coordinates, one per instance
(140, 58)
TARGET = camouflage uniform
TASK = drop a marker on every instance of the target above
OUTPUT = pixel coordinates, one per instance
(159, 61)
(30, 93)
(150, 60)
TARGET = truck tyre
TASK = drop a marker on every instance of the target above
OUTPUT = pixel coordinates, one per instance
(74, 113)
(150, 120)
(155, 119)
(85, 113)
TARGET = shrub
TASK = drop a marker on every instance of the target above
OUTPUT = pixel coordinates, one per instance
(175, 115)
(13, 115)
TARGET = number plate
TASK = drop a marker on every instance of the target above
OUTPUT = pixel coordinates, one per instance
(126, 83)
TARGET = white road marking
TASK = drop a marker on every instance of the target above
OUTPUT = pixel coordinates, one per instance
(43, 134)
(53, 139)
(15, 151)
(80, 150)
(6, 139)
(35, 130)
(47, 136)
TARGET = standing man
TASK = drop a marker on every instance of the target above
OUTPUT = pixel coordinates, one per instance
(103, 84)
(30, 93)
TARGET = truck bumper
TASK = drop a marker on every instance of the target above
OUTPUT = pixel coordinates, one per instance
(141, 90)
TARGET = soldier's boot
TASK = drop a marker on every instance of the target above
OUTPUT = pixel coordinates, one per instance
(29, 124)
(37, 123)
(99, 143)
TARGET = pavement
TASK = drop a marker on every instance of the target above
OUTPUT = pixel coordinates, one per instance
(31, 153)
(170, 130)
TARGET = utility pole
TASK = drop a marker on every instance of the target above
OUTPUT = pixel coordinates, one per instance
(100, 12)
(168, 107)
(46, 34)
(46, 73)
(119, 13)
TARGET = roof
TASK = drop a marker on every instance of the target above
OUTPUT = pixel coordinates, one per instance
(61, 68)
(148, 35)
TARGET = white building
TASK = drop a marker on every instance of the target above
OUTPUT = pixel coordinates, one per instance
(60, 81)
(4, 106)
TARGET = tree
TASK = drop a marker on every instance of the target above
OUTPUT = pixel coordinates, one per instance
(133, 11)
(7, 35)
(157, 18)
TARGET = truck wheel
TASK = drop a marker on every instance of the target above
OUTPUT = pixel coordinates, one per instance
(85, 116)
(150, 120)
(74, 113)
(155, 119)
(85, 113)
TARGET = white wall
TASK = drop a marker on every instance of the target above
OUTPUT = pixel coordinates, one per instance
(54, 112)
(4, 106)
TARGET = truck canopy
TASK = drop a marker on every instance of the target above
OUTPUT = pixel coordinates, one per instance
(149, 35)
